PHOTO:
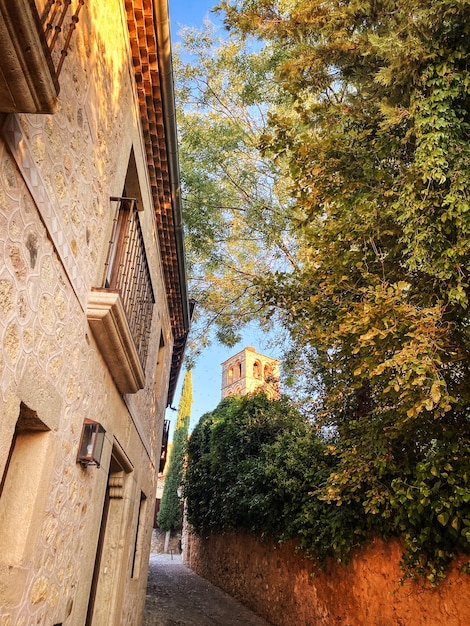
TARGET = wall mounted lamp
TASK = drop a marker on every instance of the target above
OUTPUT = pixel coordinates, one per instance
(91, 444)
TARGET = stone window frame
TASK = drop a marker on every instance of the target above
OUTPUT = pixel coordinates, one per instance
(23, 486)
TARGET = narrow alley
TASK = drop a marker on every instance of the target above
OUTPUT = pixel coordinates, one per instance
(176, 596)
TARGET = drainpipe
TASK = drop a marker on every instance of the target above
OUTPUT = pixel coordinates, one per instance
(165, 66)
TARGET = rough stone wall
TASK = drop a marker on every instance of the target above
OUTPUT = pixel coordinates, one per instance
(57, 174)
(43, 335)
(277, 583)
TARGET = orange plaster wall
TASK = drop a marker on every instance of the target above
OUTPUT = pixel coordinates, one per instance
(277, 583)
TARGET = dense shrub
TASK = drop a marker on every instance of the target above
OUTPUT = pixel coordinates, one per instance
(169, 515)
(261, 465)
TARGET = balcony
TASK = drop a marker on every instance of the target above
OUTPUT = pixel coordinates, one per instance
(32, 52)
(120, 311)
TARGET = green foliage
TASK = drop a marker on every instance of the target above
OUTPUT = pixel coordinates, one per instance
(169, 515)
(377, 142)
(432, 508)
(261, 465)
(369, 130)
(235, 200)
(233, 480)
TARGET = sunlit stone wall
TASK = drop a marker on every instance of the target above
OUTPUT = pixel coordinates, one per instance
(57, 174)
(287, 589)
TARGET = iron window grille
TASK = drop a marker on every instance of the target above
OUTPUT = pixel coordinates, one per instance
(127, 272)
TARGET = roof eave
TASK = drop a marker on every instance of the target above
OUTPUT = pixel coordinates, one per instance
(169, 118)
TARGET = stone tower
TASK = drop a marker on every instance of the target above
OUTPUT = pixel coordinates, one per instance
(248, 371)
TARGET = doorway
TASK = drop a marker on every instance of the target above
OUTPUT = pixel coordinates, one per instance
(105, 597)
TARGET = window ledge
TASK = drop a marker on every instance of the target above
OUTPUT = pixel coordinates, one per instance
(109, 325)
(28, 82)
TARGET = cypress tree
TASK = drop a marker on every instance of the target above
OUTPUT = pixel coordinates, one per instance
(169, 515)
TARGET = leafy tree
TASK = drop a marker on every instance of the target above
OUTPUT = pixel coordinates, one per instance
(377, 141)
(371, 130)
(237, 226)
(169, 515)
(251, 465)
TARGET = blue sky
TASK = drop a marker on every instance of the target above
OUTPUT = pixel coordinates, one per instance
(188, 13)
(207, 375)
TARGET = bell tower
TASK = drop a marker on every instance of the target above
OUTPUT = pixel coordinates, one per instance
(249, 371)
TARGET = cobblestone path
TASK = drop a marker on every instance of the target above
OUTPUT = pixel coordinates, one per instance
(178, 597)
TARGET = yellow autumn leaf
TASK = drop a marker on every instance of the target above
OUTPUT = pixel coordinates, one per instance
(429, 404)
(379, 369)
(435, 392)
(370, 334)
(403, 285)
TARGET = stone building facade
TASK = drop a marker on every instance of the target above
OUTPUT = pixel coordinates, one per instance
(94, 311)
(249, 371)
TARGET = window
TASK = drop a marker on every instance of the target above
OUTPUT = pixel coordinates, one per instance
(257, 369)
(120, 308)
(23, 487)
(268, 373)
(160, 360)
(230, 375)
(127, 272)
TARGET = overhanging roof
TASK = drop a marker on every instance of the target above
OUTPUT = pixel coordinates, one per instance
(149, 31)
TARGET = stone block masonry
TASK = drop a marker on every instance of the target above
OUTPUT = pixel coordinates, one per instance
(289, 590)
(75, 538)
